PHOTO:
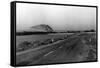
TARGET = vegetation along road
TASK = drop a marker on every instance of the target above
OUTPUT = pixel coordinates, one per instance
(75, 48)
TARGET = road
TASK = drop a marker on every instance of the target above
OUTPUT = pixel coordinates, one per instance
(67, 50)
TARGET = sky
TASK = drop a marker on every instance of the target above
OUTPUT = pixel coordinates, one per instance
(60, 18)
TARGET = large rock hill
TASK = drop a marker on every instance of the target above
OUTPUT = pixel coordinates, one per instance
(42, 27)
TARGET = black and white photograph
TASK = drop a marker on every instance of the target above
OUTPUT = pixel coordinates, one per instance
(55, 34)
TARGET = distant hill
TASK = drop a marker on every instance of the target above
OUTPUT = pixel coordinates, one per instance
(38, 29)
(43, 27)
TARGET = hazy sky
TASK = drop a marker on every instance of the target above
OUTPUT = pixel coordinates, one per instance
(58, 17)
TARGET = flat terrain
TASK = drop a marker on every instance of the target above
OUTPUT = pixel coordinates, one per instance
(31, 38)
(75, 48)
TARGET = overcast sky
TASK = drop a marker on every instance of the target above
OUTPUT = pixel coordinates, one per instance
(58, 17)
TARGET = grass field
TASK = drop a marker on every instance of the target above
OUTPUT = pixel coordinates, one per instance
(70, 48)
(34, 40)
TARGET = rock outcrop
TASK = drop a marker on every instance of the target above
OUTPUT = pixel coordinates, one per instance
(43, 27)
